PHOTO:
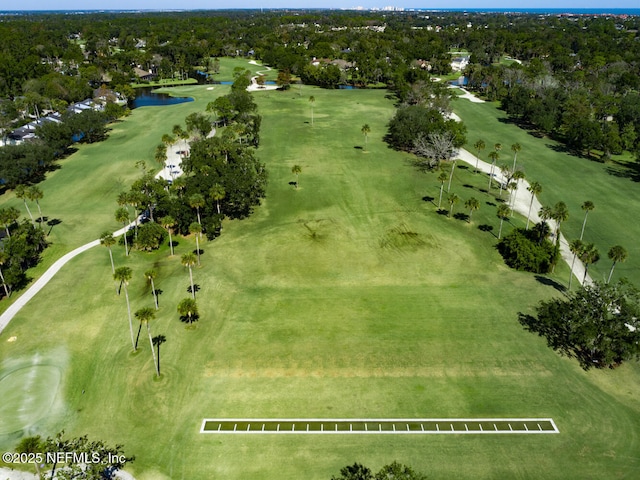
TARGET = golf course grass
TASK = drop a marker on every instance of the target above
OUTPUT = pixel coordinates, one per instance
(348, 297)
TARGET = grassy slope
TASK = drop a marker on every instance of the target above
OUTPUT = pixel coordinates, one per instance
(570, 179)
(361, 319)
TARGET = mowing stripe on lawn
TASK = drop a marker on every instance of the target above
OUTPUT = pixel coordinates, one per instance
(379, 426)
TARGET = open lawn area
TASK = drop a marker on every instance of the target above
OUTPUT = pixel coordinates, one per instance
(348, 297)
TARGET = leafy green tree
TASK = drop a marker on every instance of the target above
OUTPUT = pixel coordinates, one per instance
(356, 471)
(146, 315)
(123, 275)
(151, 275)
(586, 207)
(150, 236)
(397, 471)
(108, 241)
(112, 459)
(617, 254)
(188, 310)
(189, 260)
(598, 325)
(366, 130)
(536, 189)
(503, 212)
(472, 204)
(296, 170)
(8, 217)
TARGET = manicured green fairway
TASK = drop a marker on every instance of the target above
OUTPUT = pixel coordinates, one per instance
(349, 297)
(570, 179)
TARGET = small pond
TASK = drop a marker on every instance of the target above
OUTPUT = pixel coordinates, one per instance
(146, 97)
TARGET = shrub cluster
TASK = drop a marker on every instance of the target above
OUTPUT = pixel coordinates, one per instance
(528, 250)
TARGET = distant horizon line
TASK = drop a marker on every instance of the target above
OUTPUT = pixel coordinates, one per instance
(554, 10)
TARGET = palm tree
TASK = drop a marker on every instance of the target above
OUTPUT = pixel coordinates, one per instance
(35, 194)
(576, 248)
(586, 207)
(188, 308)
(516, 175)
(515, 148)
(150, 275)
(452, 199)
(453, 166)
(157, 341)
(506, 174)
(494, 156)
(168, 222)
(472, 204)
(7, 217)
(4, 256)
(168, 140)
(617, 253)
(312, 101)
(196, 229)
(366, 130)
(123, 275)
(535, 188)
(296, 170)
(504, 212)
(589, 255)
(560, 214)
(217, 193)
(189, 260)
(545, 213)
(21, 193)
(122, 216)
(196, 201)
(441, 178)
(108, 241)
(160, 155)
(180, 133)
(479, 145)
(145, 315)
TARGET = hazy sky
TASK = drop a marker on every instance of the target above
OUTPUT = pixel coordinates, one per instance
(217, 4)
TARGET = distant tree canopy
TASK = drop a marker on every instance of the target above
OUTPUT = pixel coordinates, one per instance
(599, 325)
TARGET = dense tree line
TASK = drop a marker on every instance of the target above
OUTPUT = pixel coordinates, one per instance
(578, 78)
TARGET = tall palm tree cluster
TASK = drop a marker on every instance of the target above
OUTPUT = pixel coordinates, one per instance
(221, 177)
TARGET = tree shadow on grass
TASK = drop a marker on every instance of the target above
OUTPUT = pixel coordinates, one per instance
(461, 216)
(466, 185)
(427, 198)
(551, 283)
(487, 228)
(442, 211)
(196, 288)
(190, 319)
(491, 204)
(173, 244)
(52, 223)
